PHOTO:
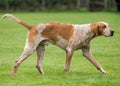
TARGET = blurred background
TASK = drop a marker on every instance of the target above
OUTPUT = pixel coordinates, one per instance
(59, 5)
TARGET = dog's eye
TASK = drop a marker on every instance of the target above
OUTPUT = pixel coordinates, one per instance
(104, 26)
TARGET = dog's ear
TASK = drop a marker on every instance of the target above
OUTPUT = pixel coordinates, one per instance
(95, 28)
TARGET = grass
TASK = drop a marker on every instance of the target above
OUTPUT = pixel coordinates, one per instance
(82, 72)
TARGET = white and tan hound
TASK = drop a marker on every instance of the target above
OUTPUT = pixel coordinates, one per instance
(69, 37)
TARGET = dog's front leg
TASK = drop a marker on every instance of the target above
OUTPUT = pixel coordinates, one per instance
(69, 54)
(86, 52)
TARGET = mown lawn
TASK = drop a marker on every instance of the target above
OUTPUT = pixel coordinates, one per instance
(82, 73)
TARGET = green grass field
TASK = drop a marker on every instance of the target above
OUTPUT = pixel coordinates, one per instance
(82, 73)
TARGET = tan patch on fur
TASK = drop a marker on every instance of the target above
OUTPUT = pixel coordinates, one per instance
(97, 28)
(32, 35)
(54, 29)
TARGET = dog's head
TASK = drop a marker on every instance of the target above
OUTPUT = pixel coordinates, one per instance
(101, 28)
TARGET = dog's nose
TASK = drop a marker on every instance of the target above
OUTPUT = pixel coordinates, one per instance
(112, 33)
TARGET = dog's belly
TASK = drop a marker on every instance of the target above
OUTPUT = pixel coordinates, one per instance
(62, 43)
(75, 45)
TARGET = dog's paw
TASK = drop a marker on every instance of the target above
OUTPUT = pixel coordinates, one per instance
(12, 73)
(66, 71)
(105, 72)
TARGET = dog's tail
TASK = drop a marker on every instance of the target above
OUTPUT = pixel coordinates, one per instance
(17, 20)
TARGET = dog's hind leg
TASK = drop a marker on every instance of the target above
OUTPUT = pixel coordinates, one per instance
(27, 52)
(31, 44)
(40, 53)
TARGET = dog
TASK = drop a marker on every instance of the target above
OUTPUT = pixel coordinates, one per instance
(69, 37)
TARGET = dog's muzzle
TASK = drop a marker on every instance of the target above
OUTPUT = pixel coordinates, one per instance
(112, 33)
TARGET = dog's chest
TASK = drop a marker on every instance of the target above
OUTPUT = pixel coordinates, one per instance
(82, 38)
